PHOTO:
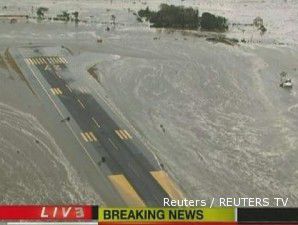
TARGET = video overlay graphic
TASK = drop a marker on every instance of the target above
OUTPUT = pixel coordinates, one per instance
(90, 214)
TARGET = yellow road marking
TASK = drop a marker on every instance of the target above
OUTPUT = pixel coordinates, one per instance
(31, 62)
(84, 137)
(123, 134)
(56, 91)
(39, 61)
(53, 91)
(93, 136)
(167, 184)
(27, 61)
(129, 136)
(57, 60)
(96, 123)
(81, 103)
(119, 134)
(64, 60)
(34, 61)
(126, 191)
(51, 61)
(61, 61)
(44, 62)
(88, 136)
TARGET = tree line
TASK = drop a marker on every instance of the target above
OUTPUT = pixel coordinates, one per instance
(65, 16)
(170, 16)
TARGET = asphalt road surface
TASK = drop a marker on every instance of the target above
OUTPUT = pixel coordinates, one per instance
(138, 181)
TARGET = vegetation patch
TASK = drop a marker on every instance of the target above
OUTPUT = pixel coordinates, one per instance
(211, 22)
(223, 39)
(179, 17)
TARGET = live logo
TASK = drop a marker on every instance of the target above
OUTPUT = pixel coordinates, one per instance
(62, 212)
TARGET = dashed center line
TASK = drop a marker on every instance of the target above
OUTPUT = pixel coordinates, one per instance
(96, 123)
(83, 90)
(68, 88)
(79, 101)
(112, 143)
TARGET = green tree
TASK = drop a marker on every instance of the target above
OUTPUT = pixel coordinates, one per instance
(65, 15)
(145, 13)
(41, 11)
(172, 16)
(211, 22)
(76, 15)
(262, 30)
(113, 18)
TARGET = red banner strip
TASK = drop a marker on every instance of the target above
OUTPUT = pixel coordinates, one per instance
(49, 213)
(190, 223)
(168, 223)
